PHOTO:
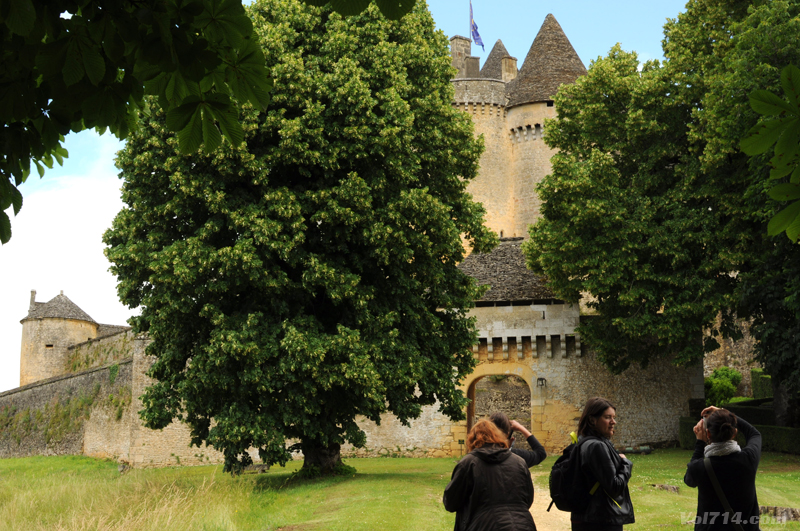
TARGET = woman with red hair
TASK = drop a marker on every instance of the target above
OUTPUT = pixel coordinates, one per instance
(491, 488)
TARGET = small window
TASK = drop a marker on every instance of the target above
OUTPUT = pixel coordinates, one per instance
(48, 346)
(550, 103)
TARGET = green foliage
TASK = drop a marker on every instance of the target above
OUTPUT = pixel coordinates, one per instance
(761, 383)
(781, 439)
(726, 373)
(391, 9)
(783, 132)
(120, 401)
(308, 275)
(651, 204)
(621, 219)
(66, 415)
(92, 68)
(113, 371)
(718, 391)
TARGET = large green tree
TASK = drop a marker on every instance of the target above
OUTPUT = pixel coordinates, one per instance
(69, 65)
(309, 275)
(653, 208)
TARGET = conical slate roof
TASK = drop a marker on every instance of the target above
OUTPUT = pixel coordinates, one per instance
(551, 62)
(503, 269)
(493, 67)
(59, 307)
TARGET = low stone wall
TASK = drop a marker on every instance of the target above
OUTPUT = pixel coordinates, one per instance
(86, 413)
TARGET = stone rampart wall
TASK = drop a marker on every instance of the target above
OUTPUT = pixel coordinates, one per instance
(87, 413)
(480, 91)
(99, 352)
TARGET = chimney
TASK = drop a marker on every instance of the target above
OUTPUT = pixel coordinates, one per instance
(460, 49)
(472, 67)
(33, 299)
(509, 68)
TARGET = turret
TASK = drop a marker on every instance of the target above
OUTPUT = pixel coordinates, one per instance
(47, 331)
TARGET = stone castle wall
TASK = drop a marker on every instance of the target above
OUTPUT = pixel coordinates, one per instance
(87, 413)
(98, 352)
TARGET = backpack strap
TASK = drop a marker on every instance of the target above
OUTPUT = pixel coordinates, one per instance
(721, 495)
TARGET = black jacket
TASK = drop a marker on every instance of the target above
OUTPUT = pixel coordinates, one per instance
(611, 502)
(535, 455)
(736, 474)
(491, 490)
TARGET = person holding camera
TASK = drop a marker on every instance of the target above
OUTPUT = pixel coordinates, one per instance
(724, 473)
(532, 457)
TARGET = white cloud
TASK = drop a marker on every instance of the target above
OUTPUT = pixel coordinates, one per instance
(56, 244)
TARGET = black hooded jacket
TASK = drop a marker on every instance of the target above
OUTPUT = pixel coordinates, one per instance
(491, 490)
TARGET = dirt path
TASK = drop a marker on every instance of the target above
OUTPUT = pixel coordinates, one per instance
(555, 520)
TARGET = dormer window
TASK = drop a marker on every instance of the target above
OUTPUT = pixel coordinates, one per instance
(48, 346)
(550, 103)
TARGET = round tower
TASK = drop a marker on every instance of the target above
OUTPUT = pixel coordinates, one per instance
(47, 331)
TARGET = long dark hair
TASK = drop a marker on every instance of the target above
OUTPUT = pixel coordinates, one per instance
(722, 425)
(501, 420)
(593, 410)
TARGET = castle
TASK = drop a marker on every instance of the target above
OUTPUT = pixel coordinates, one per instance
(70, 362)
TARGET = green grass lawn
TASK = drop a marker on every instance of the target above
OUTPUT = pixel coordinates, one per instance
(78, 493)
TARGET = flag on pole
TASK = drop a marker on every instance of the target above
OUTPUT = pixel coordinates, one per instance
(474, 29)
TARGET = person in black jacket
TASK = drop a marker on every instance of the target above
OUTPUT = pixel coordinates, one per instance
(532, 457)
(734, 467)
(605, 471)
(491, 488)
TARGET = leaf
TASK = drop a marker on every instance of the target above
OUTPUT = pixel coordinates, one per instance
(16, 200)
(211, 137)
(73, 70)
(781, 221)
(317, 3)
(92, 62)
(790, 81)
(179, 117)
(191, 136)
(5, 228)
(224, 20)
(40, 169)
(795, 178)
(349, 8)
(789, 141)
(395, 9)
(21, 19)
(793, 230)
(767, 103)
(785, 192)
(762, 136)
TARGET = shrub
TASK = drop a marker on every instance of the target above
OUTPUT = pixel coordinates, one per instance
(726, 373)
(762, 383)
(718, 391)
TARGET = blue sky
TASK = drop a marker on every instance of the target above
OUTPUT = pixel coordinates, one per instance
(56, 243)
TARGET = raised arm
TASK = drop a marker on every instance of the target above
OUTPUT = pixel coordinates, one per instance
(537, 453)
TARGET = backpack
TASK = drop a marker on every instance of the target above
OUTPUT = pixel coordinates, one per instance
(568, 488)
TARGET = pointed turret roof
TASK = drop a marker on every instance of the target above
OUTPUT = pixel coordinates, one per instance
(493, 67)
(59, 307)
(551, 62)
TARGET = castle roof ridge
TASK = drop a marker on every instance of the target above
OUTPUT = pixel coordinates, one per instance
(504, 270)
(59, 307)
(493, 66)
(550, 63)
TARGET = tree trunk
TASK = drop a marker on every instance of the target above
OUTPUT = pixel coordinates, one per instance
(785, 405)
(326, 458)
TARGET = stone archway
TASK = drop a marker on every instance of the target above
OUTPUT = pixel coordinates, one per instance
(508, 394)
(504, 368)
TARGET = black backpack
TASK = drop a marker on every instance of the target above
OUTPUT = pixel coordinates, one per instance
(568, 488)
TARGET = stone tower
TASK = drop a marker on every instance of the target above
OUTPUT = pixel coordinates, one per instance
(47, 331)
(509, 109)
